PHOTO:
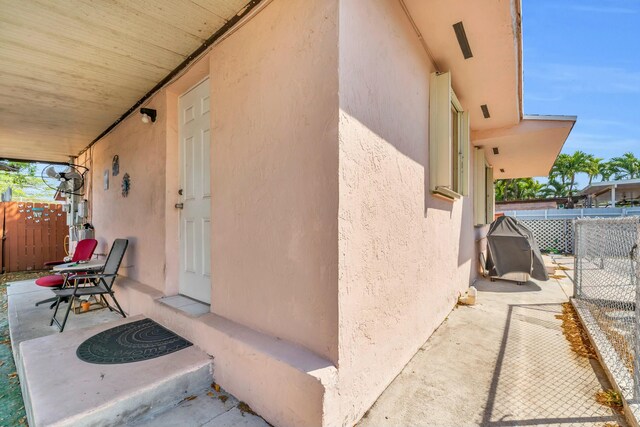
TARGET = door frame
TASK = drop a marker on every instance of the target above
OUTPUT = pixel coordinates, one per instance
(199, 198)
(196, 74)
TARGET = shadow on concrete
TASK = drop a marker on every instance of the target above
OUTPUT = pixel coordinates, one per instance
(506, 286)
(535, 382)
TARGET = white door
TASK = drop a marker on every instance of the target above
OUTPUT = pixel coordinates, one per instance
(195, 216)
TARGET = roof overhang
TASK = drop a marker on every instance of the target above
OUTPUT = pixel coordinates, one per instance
(493, 75)
(528, 145)
(527, 149)
(624, 189)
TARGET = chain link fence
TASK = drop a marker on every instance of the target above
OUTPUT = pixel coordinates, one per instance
(606, 296)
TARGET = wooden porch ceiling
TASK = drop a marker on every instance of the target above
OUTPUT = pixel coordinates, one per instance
(71, 68)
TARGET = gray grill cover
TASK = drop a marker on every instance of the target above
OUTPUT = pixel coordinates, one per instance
(512, 248)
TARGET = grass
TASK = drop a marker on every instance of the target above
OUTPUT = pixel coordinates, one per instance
(12, 411)
(575, 333)
(610, 398)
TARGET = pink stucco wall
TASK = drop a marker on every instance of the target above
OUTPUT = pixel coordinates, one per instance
(274, 174)
(404, 255)
(324, 235)
(140, 217)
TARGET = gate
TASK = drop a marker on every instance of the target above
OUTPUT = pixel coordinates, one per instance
(32, 234)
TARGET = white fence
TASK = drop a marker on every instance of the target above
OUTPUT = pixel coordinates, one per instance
(573, 213)
(554, 229)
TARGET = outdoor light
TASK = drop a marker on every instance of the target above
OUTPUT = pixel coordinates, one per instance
(495, 150)
(148, 114)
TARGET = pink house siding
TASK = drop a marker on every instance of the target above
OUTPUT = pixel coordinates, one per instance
(331, 261)
(405, 255)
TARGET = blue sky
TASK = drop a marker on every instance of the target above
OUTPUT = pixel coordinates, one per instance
(581, 57)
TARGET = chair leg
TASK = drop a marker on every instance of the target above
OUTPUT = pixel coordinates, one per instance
(57, 305)
(53, 304)
(53, 299)
(113, 297)
(66, 315)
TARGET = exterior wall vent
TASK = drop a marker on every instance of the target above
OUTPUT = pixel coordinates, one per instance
(485, 111)
(461, 35)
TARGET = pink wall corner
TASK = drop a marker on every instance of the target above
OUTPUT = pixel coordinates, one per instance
(274, 174)
(405, 256)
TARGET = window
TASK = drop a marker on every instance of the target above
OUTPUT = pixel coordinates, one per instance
(483, 190)
(448, 140)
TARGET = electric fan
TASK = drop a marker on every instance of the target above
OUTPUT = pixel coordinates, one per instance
(66, 179)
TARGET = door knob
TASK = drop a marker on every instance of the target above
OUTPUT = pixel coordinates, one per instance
(179, 205)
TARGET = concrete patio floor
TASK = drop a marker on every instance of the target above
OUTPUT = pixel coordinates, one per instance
(502, 362)
(172, 390)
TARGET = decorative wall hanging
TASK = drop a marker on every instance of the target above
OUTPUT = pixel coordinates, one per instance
(126, 185)
(115, 165)
(106, 180)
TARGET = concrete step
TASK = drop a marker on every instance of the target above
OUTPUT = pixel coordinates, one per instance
(210, 408)
(61, 390)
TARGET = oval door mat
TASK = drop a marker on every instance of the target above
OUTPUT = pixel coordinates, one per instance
(131, 342)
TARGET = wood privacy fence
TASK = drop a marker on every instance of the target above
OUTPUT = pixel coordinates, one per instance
(32, 234)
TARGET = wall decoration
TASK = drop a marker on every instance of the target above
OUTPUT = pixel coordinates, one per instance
(106, 180)
(115, 165)
(126, 185)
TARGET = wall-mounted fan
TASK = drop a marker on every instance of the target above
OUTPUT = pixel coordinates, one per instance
(65, 179)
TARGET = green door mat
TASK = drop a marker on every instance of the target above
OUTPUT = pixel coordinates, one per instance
(131, 342)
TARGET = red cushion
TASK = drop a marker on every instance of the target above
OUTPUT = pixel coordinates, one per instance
(53, 281)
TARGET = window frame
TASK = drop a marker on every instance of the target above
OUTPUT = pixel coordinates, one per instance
(484, 190)
(448, 161)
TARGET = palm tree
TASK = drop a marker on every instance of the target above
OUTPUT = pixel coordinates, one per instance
(593, 167)
(528, 188)
(561, 168)
(607, 170)
(627, 166)
(499, 188)
(517, 189)
(554, 188)
(567, 166)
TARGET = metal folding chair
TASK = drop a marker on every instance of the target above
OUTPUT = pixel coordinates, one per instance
(100, 283)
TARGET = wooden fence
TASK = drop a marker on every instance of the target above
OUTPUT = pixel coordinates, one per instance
(32, 234)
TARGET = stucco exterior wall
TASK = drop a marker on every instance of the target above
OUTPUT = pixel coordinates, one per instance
(140, 217)
(324, 233)
(274, 175)
(404, 256)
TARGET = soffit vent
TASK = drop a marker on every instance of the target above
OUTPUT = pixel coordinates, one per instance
(461, 35)
(485, 111)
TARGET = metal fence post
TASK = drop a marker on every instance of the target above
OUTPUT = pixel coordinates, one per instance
(577, 268)
(636, 330)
